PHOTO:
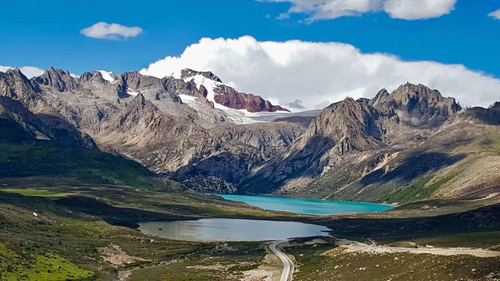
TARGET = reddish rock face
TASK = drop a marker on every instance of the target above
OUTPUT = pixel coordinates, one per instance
(231, 98)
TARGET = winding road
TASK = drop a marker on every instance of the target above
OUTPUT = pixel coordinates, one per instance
(287, 273)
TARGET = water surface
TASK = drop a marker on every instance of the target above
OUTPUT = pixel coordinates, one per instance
(231, 230)
(308, 206)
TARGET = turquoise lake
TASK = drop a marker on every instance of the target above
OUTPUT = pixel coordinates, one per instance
(220, 229)
(308, 206)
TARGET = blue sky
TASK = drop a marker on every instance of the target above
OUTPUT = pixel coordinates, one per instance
(47, 33)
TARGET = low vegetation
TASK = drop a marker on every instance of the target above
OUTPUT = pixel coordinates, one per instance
(26, 266)
(38, 158)
(324, 263)
(49, 228)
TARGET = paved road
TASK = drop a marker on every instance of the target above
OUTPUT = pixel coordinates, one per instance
(287, 273)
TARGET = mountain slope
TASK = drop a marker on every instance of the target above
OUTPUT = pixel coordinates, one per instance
(28, 155)
(401, 146)
(144, 118)
(408, 145)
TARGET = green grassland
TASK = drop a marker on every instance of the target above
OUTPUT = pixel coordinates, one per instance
(26, 266)
(69, 229)
(36, 192)
(42, 158)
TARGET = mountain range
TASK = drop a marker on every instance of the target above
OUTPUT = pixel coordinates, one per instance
(401, 146)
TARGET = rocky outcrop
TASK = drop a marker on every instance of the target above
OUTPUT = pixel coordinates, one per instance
(211, 184)
(226, 95)
(351, 125)
(480, 115)
(345, 127)
(188, 73)
(416, 105)
(233, 152)
(352, 131)
(143, 118)
(15, 85)
(20, 97)
(380, 97)
(231, 98)
(59, 79)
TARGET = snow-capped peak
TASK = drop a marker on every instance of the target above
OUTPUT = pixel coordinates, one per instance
(107, 75)
(209, 84)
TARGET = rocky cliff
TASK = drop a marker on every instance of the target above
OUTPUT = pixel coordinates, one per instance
(144, 118)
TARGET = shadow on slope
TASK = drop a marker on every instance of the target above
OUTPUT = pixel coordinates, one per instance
(86, 208)
(388, 229)
(413, 167)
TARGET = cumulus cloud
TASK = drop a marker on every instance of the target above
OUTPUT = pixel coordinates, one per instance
(28, 71)
(103, 30)
(400, 9)
(321, 73)
(418, 9)
(495, 14)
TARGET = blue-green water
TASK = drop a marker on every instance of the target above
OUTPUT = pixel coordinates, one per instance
(217, 229)
(308, 206)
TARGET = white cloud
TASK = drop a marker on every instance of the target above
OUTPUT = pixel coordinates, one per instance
(400, 9)
(321, 73)
(495, 14)
(103, 30)
(330, 9)
(28, 71)
(418, 9)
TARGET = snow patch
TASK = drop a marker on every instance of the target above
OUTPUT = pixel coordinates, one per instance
(209, 84)
(188, 99)
(132, 93)
(238, 116)
(106, 75)
(235, 115)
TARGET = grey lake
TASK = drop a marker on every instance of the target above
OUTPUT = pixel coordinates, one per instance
(217, 229)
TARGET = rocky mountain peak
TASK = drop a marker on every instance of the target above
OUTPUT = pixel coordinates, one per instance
(187, 73)
(59, 79)
(15, 75)
(416, 105)
(88, 76)
(137, 81)
(412, 95)
(381, 96)
(480, 115)
(14, 72)
(95, 76)
(347, 115)
(344, 126)
(13, 83)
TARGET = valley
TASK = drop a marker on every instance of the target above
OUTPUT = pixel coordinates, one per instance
(86, 161)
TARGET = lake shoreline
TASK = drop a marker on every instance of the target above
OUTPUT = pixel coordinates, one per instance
(304, 206)
(275, 195)
(232, 230)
